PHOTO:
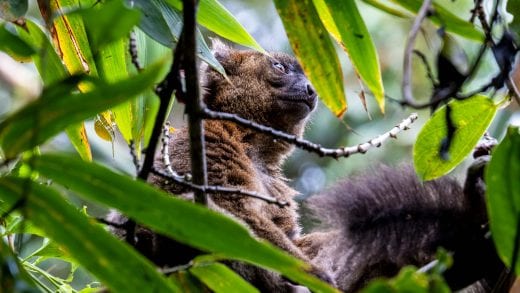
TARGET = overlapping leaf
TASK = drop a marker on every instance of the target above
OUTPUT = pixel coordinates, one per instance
(471, 118)
(343, 21)
(443, 17)
(221, 279)
(113, 262)
(315, 51)
(217, 19)
(58, 108)
(184, 221)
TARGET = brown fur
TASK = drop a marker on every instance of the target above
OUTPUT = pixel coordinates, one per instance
(243, 158)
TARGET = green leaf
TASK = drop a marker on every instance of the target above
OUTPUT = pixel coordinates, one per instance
(443, 17)
(503, 197)
(513, 8)
(164, 24)
(409, 280)
(111, 14)
(112, 261)
(13, 277)
(388, 9)
(221, 279)
(471, 118)
(307, 36)
(14, 45)
(52, 70)
(184, 221)
(216, 18)
(343, 20)
(11, 10)
(57, 109)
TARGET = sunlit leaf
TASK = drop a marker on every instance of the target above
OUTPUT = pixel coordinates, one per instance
(221, 279)
(215, 17)
(503, 197)
(11, 10)
(315, 51)
(112, 261)
(471, 118)
(388, 9)
(409, 280)
(184, 221)
(57, 109)
(343, 20)
(164, 24)
(14, 45)
(443, 17)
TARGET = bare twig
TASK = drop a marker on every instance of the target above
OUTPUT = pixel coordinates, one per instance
(310, 146)
(135, 159)
(410, 43)
(132, 48)
(219, 189)
(429, 71)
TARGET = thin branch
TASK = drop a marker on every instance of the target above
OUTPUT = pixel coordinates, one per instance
(218, 189)
(410, 43)
(310, 146)
(429, 72)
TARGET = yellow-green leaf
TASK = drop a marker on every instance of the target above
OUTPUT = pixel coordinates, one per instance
(343, 21)
(443, 17)
(471, 117)
(314, 50)
(215, 17)
(221, 279)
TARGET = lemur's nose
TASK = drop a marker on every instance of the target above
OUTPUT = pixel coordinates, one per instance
(310, 90)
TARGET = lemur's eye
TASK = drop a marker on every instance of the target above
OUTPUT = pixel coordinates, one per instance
(279, 66)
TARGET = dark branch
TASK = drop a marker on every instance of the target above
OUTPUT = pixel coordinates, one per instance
(217, 189)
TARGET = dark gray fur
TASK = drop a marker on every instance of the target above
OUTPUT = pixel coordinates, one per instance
(386, 219)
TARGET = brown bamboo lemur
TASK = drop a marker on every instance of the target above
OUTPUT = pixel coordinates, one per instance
(386, 220)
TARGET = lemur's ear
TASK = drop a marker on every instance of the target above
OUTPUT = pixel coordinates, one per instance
(220, 50)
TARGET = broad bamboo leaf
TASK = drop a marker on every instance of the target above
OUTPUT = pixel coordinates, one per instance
(113, 15)
(58, 108)
(503, 197)
(471, 118)
(164, 24)
(221, 279)
(184, 221)
(51, 70)
(11, 10)
(343, 21)
(315, 51)
(14, 45)
(216, 18)
(113, 262)
(443, 17)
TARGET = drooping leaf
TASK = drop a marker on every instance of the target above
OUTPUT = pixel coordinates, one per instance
(164, 24)
(11, 10)
(215, 17)
(503, 197)
(112, 261)
(184, 221)
(471, 118)
(57, 109)
(388, 9)
(343, 21)
(113, 15)
(14, 45)
(443, 17)
(308, 36)
(221, 279)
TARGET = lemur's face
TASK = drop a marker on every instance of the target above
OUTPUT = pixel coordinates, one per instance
(268, 89)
